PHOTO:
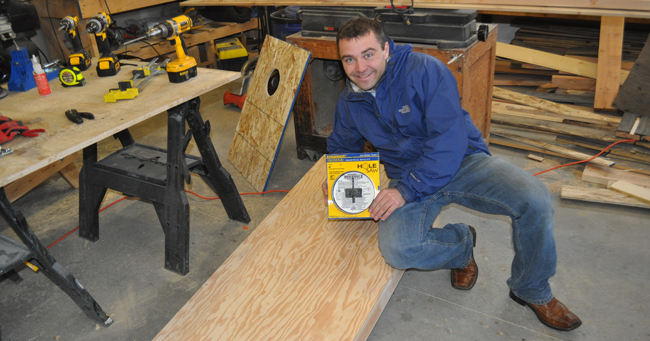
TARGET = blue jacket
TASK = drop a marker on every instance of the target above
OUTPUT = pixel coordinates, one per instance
(415, 121)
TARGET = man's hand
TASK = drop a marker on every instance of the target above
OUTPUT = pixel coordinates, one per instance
(325, 190)
(386, 202)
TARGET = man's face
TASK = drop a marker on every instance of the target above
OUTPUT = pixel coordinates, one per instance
(364, 60)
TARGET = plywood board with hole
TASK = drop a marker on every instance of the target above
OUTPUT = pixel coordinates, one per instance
(243, 153)
(265, 114)
(290, 62)
(258, 128)
(298, 276)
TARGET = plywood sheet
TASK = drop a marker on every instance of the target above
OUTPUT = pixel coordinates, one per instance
(298, 276)
(265, 116)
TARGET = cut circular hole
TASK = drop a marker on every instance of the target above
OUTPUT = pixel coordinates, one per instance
(273, 82)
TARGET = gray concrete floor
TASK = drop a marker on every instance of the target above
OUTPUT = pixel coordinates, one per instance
(601, 252)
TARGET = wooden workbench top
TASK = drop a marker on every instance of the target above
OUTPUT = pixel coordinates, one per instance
(64, 137)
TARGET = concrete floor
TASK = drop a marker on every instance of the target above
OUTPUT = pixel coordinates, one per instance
(601, 252)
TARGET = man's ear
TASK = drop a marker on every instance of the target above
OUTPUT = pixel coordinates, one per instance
(386, 50)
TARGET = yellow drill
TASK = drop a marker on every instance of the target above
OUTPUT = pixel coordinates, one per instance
(108, 64)
(79, 57)
(184, 67)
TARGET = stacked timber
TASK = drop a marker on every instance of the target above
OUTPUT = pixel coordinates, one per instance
(551, 112)
(565, 39)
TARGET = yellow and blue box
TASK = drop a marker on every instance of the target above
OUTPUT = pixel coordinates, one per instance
(231, 54)
(352, 184)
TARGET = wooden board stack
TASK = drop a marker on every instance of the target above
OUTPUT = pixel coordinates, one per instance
(531, 119)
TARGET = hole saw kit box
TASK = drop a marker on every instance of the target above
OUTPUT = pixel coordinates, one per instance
(352, 184)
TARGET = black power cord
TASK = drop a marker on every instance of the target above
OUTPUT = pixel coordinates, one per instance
(54, 30)
(400, 12)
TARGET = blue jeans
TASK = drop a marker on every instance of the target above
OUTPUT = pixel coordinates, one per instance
(490, 185)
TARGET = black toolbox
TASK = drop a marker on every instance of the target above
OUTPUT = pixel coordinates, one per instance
(445, 28)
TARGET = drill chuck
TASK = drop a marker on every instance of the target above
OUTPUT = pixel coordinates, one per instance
(94, 26)
(67, 24)
(158, 31)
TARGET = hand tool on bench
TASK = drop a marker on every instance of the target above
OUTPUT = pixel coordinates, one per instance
(128, 90)
(79, 57)
(108, 64)
(184, 67)
(77, 117)
(10, 128)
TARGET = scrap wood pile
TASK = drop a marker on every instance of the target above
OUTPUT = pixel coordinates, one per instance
(537, 107)
(558, 38)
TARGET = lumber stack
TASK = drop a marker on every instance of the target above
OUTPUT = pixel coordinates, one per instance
(565, 39)
(544, 107)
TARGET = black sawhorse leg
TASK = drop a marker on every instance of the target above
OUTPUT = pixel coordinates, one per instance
(168, 194)
(49, 266)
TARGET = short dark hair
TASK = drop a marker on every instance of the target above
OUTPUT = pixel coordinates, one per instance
(359, 27)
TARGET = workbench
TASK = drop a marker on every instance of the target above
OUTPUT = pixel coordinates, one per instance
(63, 138)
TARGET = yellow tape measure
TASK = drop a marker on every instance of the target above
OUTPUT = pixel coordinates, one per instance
(71, 77)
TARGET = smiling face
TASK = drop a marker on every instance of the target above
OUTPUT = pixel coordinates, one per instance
(364, 60)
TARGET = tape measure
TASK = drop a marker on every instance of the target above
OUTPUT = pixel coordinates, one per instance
(71, 77)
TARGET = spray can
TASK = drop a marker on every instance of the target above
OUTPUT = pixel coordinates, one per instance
(40, 77)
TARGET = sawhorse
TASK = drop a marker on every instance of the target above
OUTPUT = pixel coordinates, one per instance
(34, 249)
(158, 175)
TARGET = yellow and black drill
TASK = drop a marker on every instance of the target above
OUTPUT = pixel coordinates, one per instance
(108, 64)
(79, 57)
(184, 67)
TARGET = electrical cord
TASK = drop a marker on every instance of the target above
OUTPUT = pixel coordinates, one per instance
(56, 35)
(41, 51)
(401, 12)
(587, 160)
(200, 196)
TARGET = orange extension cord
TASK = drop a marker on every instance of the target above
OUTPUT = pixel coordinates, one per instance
(587, 160)
(200, 196)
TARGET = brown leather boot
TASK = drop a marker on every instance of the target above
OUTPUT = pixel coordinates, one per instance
(464, 279)
(553, 314)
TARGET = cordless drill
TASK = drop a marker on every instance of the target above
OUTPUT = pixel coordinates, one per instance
(184, 67)
(79, 57)
(108, 64)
